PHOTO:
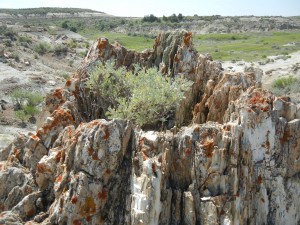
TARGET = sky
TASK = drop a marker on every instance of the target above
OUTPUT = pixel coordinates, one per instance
(140, 8)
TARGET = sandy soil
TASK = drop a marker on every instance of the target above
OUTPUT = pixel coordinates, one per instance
(273, 68)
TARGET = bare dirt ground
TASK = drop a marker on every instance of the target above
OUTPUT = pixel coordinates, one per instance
(273, 68)
(36, 73)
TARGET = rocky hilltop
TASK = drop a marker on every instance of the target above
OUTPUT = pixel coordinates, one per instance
(232, 159)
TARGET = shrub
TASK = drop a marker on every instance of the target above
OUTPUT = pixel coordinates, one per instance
(60, 49)
(284, 82)
(18, 97)
(286, 85)
(34, 99)
(8, 43)
(151, 18)
(42, 48)
(16, 57)
(144, 96)
(72, 43)
(21, 115)
(65, 24)
(25, 39)
(25, 104)
(31, 110)
(73, 29)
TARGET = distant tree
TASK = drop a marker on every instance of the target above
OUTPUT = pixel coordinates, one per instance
(173, 18)
(165, 18)
(180, 17)
(65, 25)
(74, 29)
(150, 18)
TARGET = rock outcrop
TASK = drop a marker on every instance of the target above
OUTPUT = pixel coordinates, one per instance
(232, 159)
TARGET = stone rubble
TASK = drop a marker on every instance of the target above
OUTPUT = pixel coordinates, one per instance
(234, 157)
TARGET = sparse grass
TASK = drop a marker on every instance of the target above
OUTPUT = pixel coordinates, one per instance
(25, 39)
(249, 46)
(137, 43)
(286, 85)
(42, 48)
(60, 50)
(284, 82)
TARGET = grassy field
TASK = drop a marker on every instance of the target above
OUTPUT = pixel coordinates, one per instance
(137, 43)
(249, 46)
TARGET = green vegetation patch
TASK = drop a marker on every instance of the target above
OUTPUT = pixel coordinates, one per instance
(138, 43)
(143, 96)
(286, 85)
(247, 46)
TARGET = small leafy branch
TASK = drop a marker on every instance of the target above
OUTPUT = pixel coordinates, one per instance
(143, 96)
(25, 104)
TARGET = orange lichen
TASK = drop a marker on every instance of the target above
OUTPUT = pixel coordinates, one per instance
(60, 118)
(34, 137)
(95, 156)
(106, 133)
(259, 179)
(286, 137)
(102, 43)
(187, 38)
(88, 218)
(59, 178)
(108, 171)
(68, 83)
(89, 207)
(74, 199)
(176, 59)
(187, 151)
(58, 156)
(30, 213)
(266, 108)
(76, 222)
(102, 195)
(227, 127)
(41, 168)
(17, 153)
(197, 129)
(58, 93)
(192, 71)
(28, 190)
(90, 151)
(208, 147)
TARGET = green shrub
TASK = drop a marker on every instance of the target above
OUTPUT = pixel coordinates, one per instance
(8, 43)
(284, 82)
(25, 39)
(286, 85)
(21, 115)
(18, 97)
(144, 96)
(42, 48)
(60, 49)
(25, 104)
(16, 57)
(73, 29)
(34, 99)
(72, 43)
(83, 54)
(31, 110)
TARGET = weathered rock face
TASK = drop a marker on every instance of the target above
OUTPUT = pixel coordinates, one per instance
(236, 163)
